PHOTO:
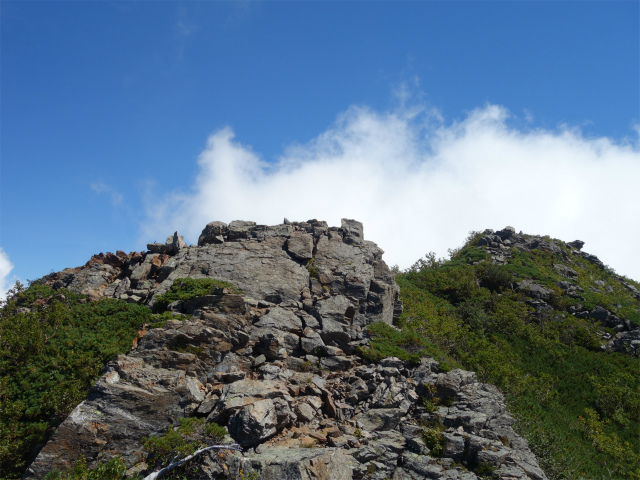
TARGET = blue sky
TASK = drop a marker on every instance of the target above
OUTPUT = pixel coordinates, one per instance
(124, 121)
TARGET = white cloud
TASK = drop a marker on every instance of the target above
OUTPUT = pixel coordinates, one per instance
(420, 185)
(115, 197)
(5, 269)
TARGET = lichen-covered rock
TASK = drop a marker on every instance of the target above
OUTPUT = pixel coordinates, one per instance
(295, 464)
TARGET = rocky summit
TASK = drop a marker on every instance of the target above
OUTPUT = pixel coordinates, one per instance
(271, 354)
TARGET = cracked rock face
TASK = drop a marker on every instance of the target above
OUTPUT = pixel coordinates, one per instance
(277, 367)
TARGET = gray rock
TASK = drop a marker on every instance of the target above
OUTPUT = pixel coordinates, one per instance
(533, 290)
(380, 418)
(213, 233)
(254, 423)
(282, 320)
(218, 303)
(337, 363)
(312, 343)
(244, 366)
(335, 308)
(392, 362)
(240, 229)
(177, 243)
(599, 314)
(626, 342)
(565, 271)
(261, 269)
(305, 412)
(577, 244)
(448, 384)
(352, 231)
(300, 245)
(423, 465)
(294, 464)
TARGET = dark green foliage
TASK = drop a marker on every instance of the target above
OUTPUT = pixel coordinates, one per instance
(175, 444)
(578, 406)
(431, 402)
(178, 442)
(312, 269)
(112, 469)
(184, 289)
(434, 440)
(484, 470)
(160, 319)
(494, 278)
(49, 358)
(390, 342)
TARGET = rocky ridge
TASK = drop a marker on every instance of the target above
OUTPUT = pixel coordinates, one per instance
(499, 244)
(277, 366)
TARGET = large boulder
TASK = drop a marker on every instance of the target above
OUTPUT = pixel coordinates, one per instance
(213, 233)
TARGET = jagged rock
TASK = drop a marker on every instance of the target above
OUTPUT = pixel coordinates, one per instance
(300, 245)
(571, 290)
(254, 423)
(591, 258)
(239, 229)
(448, 384)
(634, 290)
(93, 280)
(599, 314)
(565, 271)
(275, 365)
(282, 320)
(625, 342)
(295, 464)
(380, 418)
(172, 245)
(533, 290)
(577, 244)
(218, 303)
(352, 231)
(213, 233)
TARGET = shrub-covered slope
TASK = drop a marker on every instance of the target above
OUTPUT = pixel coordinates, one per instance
(547, 323)
(53, 346)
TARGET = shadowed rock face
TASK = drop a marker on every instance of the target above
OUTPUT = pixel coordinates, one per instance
(277, 366)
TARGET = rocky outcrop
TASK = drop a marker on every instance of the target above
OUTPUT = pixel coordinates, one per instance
(295, 419)
(303, 262)
(277, 366)
(502, 244)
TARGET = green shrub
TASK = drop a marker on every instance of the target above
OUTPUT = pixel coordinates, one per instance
(484, 470)
(549, 364)
(494, 277)
(184, 289)
(387, 341)
(434, 440)
(49, 358)
(312, 269)
(112, 469)
(183, 440)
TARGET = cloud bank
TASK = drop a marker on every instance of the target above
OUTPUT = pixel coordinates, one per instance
(5, 269)
(421, 185)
